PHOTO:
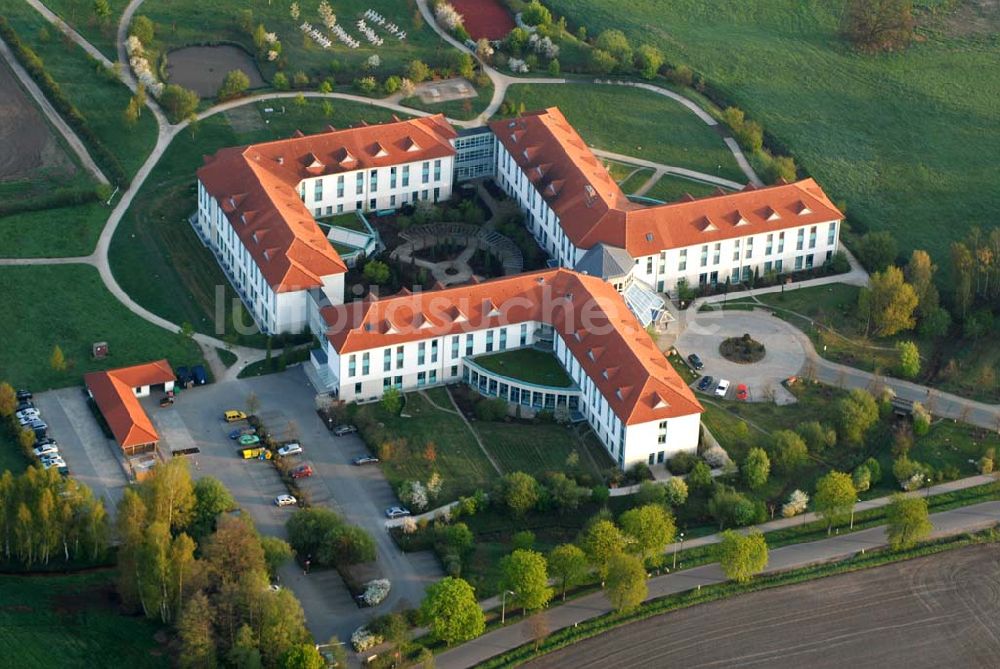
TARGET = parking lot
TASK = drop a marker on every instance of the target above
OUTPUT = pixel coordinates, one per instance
(359, 494)
(92, 458)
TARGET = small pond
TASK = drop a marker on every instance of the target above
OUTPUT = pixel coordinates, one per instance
(202, 68)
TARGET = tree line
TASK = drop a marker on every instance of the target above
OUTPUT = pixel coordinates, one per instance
(189, 558)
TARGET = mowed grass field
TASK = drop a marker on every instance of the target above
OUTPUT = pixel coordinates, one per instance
(99, 96)
(536, 449)
(72, 621)
(68, 305)
(908, 140)
(634, 122)
(52, 233)
(157, 257)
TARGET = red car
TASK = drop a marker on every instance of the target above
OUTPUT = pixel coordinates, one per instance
(302, 471)
(742, 392)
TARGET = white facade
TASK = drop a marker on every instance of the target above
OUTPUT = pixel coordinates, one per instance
(541, 221)
(366, 375)
(737, 259)
(378, 188)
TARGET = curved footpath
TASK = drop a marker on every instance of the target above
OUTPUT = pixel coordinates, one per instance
(946, 523)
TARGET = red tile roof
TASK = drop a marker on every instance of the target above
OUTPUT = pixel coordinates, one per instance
(113, 392)
(256, 186)
(593, 319)
(592, 209)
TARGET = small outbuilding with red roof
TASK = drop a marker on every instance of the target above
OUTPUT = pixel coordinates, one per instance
(116, 393)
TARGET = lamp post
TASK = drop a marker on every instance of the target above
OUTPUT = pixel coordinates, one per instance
(503, 605)
(852, 513)
(676, 548)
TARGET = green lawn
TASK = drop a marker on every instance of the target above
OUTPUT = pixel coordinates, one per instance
(72, 621)
(528, 365)
(903, 138)
(636, 123)
(635, 181)
(67, 231)
(80, 15)
(156, 256)
(68, 305)
(540, 448)
(349, 221)
(185, 22)
(460, 462)
(669, 188)
(99, 96)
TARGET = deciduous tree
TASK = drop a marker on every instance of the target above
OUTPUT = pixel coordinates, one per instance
(525, 574)
(742, 557)
(8, 400)
(788, 451)
(908, 522)
(601, 542)
(520, 492)
(568, 565)
(451, 611)
(876, 25)
(651, 528)
(626, 582)
(856, 414)
(756, 468)
(195, 631)
(835, 497)
(888, 303)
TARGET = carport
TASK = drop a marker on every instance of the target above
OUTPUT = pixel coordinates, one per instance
(116, 393)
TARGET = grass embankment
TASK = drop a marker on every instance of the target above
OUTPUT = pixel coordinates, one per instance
(595, 626)
(73, 621)
(157, 257)
(899, 137)
(68, 305)
(636, 123)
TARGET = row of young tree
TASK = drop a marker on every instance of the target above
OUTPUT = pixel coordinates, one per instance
(187, 557)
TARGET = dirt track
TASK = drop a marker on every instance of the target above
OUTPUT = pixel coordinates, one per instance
(939, 611)
(29, 145)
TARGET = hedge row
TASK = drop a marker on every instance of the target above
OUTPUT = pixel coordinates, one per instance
(64, 197)
(36, 68)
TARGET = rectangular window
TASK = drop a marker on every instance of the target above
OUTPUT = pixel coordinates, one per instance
(662, 439)
(351, 366)
(770, 245)
(735, 276)
(524, 334)
(503, 339)
(359, 184)
(340, 208)
(421, 352)
(704, 255)
(809, 261)
(437, 193)
(392, 200)
(392, 177)
(649, 265)
(714, 278)
(749, 253)
(798, 262)
(317, 212)
(736, 250)
(434, 376)
(406, 176)
(767, 266)
(372, 204)
(387, 360)
(425, 172)
(812, 237)
(434, 350)
(468, 344)
(831, 234)
(340, 186)
(489, 341)
(454, 370)
(781, 242)
(800, 239)
(717, 253)
(318, 193)
(365, 367)
(703, 278)
(373, 181)
(399, 357)
(329, 210)
(386, 382)
(421, 378)
(454, 347)
(397, 381)
(683, 264)
(437, 170)
(357, 388)
(778, 264)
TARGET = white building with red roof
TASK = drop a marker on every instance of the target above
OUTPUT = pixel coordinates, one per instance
(258, 206)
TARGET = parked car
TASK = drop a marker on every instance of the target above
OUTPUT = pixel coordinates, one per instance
(36, 424)
(27, 413)
(25, 404)
(256, 453)
(302, 472)
(742, 392)
(43, 441)
(234, 415)
(705, 383)
(696, 361)
(249, 440)
(365, 460)
(46, 449)
(342, 430)
(396, 512)
(183, 376)
(199, 375)
(24, 395)
(55, 462)
(722, 388)
(240, 431)
(285, 500)
(290, 449)
(27, 419)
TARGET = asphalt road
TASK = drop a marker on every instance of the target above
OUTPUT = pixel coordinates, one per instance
(938, 611)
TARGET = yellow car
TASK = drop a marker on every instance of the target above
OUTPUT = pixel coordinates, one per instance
(233, 415)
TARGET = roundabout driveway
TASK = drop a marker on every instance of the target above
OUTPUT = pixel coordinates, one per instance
(703, 332)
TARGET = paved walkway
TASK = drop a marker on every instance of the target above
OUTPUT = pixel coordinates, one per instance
(51, 114)
(669, 169)
(946, 523)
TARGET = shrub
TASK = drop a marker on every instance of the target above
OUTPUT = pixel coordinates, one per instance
(234, 85)
(682, 463)
(414, 494)
(874, 469)
(910, 474)
(716, 457)
(491, 409)
(519, 492)
(700, 476)
(682, 75)
(796, 504)
(523, 540)
(921, 419)
(862, 478)
(280, 81)
(909, 359)
(376, 591)
(362, 639)
(676, 491)
(732, 508)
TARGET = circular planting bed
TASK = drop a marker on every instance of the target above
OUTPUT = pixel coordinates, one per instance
(742, 350)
